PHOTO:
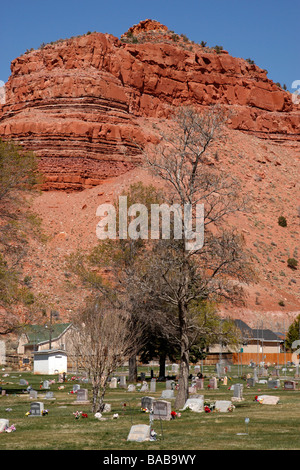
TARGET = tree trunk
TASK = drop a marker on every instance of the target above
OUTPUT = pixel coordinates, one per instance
(162, 365)
(132, 369)
(183, 389)
(95, 388)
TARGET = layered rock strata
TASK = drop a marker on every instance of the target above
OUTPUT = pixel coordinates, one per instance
(80, 104)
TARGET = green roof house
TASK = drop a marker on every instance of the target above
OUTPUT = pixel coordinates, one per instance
(44, 337)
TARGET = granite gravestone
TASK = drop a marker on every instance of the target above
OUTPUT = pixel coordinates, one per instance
(169, 394)
(161, 410)
(153, 385)
(213, 383)
(274, 383)
(82, 395)
(33, 394)
(223, 406)
(289, 385)
(113, 383)
(195, 404)
(139, 433)
(122, 381)
(4, 424)
(199, 384)
(36, 408)
(147, 403)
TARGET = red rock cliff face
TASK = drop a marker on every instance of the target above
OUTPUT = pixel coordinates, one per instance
(79, 103)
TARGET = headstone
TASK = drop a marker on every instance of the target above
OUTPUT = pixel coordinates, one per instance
(131, 388)
(197, 369)
(113, 383)
(169, 394)
(251, 382)
(268, 399)
(213, 383)
(153, 385)
(147, 403)
(76, 387)
(170, 384)
(255, 374)
(192, 389)
(23, 382)
(36, 408)
(49, 396)
(139, 433)
(289, 385)
(274, 383)
(107, 408)
(33, 394)
(46, 384)
(82, 395)
(238, 391)
(144, 387)
(4, 424)
(175, 368)
(195, 404)
(123, 381)
(275, 372)
(161, 410)
(223, 406)
(199, 384)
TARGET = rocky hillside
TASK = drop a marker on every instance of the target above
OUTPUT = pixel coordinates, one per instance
(86, 104)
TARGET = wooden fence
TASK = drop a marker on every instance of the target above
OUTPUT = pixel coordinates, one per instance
(272, 358)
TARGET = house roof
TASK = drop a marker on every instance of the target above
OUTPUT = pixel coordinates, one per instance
(257, 333)
(40, 334)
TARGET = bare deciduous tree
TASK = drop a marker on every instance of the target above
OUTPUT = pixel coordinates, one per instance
(217, 270)
(104, 338)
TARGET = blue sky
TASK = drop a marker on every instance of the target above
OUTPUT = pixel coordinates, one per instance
(267, 31)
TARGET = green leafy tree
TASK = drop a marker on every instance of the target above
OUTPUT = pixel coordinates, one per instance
(293, 333)
(19, 178)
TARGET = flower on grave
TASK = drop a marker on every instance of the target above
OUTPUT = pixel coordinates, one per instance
(10, 428)
(207, 409)
(77, 414)
(61, 387)
(115, 416)
(98, 415)
(44, 412)
(145, 410)
(173, 414)
(84, 415)
(28, 413)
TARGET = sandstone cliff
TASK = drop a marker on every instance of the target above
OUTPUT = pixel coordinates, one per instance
(85, 104)
(78, 103)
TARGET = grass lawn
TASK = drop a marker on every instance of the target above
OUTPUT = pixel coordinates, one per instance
(271, 427)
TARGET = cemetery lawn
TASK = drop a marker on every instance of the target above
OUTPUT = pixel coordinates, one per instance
(271, 427)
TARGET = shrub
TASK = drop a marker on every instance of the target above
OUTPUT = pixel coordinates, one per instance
(282, 221)
(218, 49)
(292, 263)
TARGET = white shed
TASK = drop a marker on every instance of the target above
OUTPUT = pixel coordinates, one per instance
(51, 361)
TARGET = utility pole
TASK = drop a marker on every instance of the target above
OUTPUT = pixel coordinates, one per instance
(55, 314)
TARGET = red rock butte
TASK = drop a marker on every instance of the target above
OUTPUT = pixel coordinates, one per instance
(81, 104)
